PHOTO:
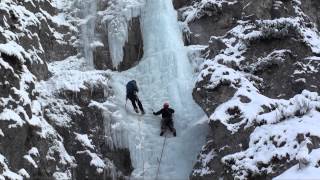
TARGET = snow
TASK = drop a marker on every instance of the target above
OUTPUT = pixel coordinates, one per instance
(31, 160)
(73, 80)
(14, 110)
(25, 79)
(71, 63)
(58, 147)
(27, 18)
(11, 48)
(198, 9)
(5, 65)
(61, 4)
(277, 119)
(24, 173)
(84, 140)
(33, 152)
(60, 19)
(62, 175)
(6, 173)
(254, 113)
(313, 58)
(312, 171)
(11, 115)
(205, 159)
(274, 141)
(164, 74)
(294, 173)
(96, 161)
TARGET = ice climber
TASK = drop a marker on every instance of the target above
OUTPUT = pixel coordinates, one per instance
(132, 94)
(167, 121)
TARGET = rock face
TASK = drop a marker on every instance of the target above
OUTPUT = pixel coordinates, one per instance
(83, 130)
(132, 49)
(180, 3)
(258, 52)
(47, 129)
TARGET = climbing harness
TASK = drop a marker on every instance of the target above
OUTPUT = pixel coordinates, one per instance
(164, 143)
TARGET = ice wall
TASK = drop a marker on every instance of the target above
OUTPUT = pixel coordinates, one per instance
(164, 74)
(88, 13)
(118, 17)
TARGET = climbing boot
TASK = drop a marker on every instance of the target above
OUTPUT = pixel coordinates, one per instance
(174, 134)
(136, 110)
(142, 112)
(161, 134)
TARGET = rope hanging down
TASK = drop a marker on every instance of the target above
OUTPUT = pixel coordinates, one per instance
(164, 143)
(141, 141)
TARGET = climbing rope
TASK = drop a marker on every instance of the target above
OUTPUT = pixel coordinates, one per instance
(164, 143)
(141, 141)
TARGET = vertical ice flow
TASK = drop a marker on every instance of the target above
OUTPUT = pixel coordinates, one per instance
(89, 9)
(165, 63)
(164, 74)
(118, 26)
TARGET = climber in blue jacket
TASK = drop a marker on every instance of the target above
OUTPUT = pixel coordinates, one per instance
(132, 94)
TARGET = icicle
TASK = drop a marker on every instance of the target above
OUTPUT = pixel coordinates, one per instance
(89, 11)
(118, 27)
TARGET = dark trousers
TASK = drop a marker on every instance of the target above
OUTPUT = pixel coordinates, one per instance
(134, 99)
(167, 124)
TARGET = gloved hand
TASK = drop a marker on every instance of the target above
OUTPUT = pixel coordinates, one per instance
(154, 113)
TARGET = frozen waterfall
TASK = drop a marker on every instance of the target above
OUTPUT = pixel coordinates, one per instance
(88, 10)
(164, 74)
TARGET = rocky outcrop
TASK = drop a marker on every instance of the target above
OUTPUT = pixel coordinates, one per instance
(132, 49)
(258, 52)
(84, 133)
(310, 8)
(48, 131)
(177, 4)
(219, 18)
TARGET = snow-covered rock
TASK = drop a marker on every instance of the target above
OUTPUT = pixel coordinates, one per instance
(261, 74)
(45, 117)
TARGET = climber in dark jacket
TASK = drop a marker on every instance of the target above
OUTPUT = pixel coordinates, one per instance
(167, 121)
(132, 91)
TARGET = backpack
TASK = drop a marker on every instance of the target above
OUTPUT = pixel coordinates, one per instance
(131, 87)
